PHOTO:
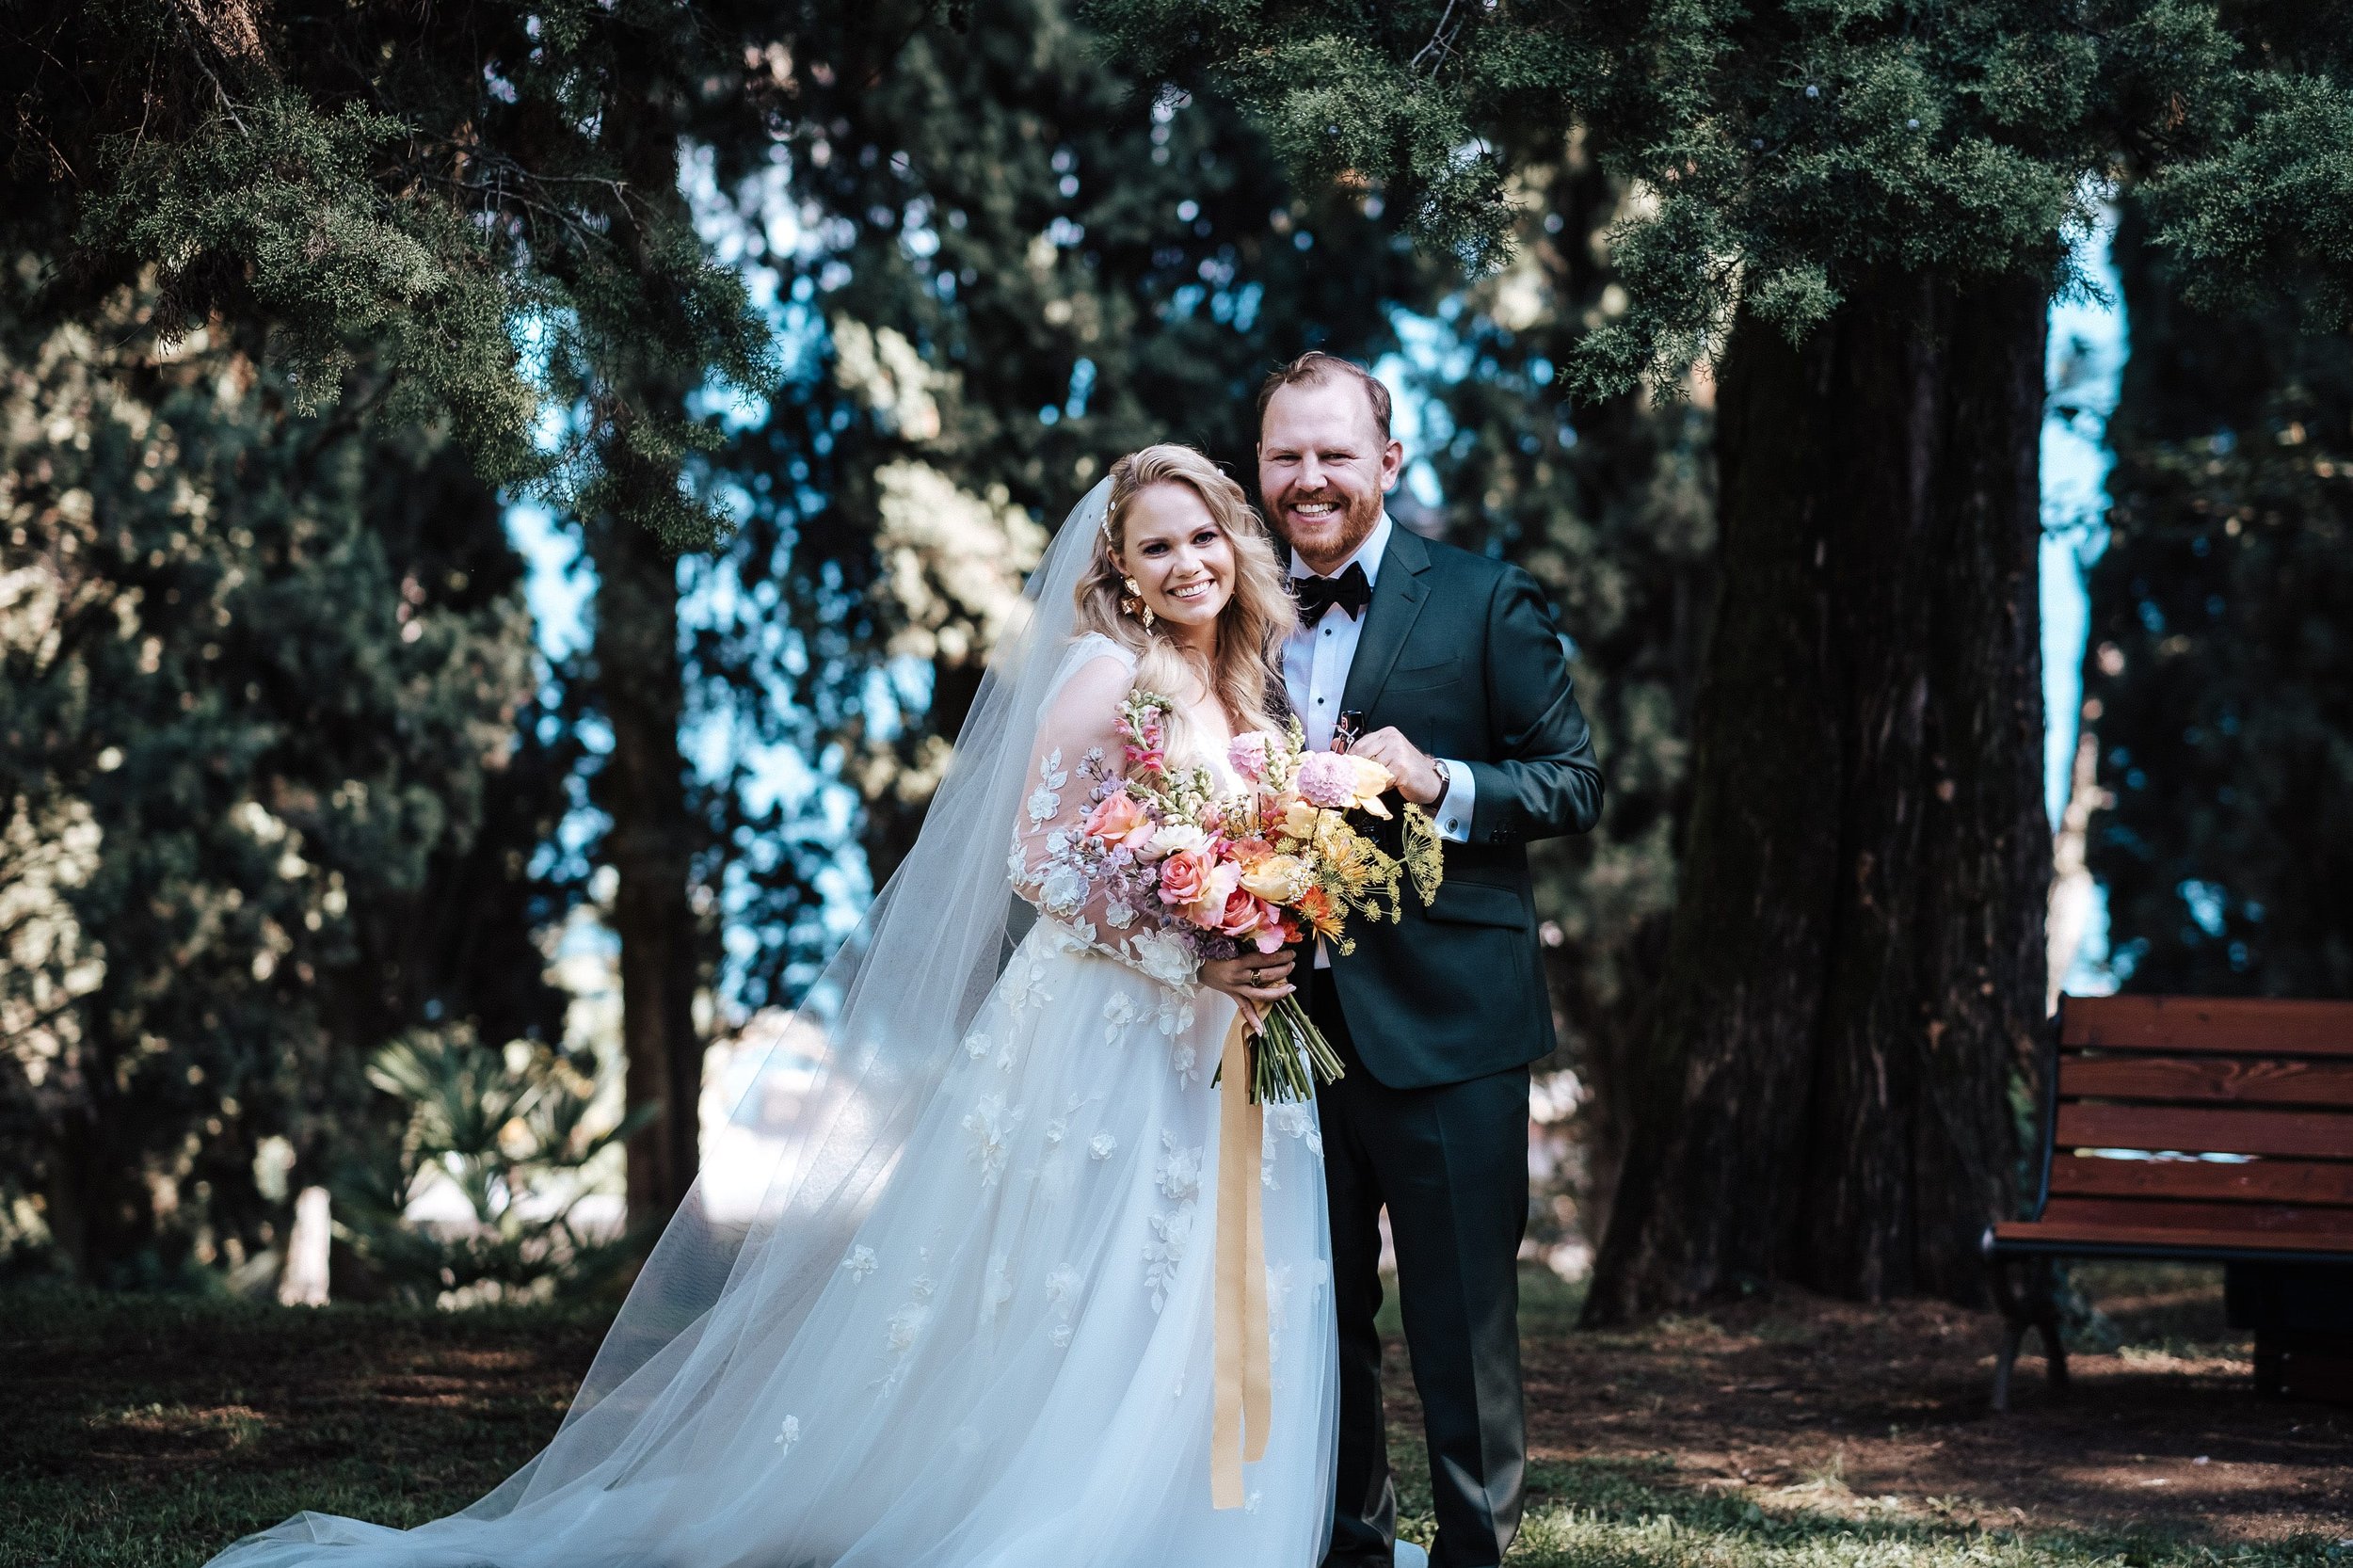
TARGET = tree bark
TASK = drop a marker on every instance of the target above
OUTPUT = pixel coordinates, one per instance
(642, 788)
(1855, 969)
(640, 673)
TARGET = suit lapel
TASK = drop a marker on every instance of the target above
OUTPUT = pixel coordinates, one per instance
(1397, 599)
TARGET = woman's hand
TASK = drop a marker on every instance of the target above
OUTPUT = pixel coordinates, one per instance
(1256, 980)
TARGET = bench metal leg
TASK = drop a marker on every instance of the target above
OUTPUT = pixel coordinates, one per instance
(2027, 1302)
(2270, 1369)
(2012, 1334)
(2054, 1352)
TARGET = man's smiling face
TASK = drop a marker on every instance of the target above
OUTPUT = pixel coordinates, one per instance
(1324, 467)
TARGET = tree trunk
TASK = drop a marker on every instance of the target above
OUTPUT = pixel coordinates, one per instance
(642, 787)
(1855, 968)
(640, 676)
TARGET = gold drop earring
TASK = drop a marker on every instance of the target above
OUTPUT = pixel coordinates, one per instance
(1134, 604)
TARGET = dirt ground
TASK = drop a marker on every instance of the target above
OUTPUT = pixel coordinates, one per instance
(146, 1433)
(1886, 1410)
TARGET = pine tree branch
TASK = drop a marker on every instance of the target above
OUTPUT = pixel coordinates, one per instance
(196, 52)
(1441, 42)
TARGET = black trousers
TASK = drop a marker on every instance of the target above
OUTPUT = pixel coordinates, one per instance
(1450, 1165)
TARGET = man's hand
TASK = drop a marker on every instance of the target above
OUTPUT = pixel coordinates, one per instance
(1418, 778)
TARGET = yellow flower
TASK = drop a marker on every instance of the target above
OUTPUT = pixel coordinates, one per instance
(1276, 878)
(1372, 780)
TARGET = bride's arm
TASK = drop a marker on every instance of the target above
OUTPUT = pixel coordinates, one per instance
(1079, 756)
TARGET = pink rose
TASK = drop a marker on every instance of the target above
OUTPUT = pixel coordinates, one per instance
(1184, 877)
(1208, 910)
(1118, 820)
(1247, 915)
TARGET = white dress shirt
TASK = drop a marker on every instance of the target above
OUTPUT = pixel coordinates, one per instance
(1316, 661)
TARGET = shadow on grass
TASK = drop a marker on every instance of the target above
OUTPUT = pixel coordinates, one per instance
(1601, 1514)
(150, 1432)
(2175, 1308)
(1624, 1511)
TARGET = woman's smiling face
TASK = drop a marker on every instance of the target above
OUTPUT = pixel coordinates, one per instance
(1181, 560)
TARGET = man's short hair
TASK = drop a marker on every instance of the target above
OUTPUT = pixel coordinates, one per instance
(1313, 369)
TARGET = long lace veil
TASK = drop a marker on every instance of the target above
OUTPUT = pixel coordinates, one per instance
(890, 1009)
(679, 1375)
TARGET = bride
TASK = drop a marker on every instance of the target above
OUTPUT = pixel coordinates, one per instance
(971, 1322)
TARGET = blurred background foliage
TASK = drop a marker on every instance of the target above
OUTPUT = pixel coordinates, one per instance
(271, 779)
(2221, 659)
(516, 1134)
(315, 854)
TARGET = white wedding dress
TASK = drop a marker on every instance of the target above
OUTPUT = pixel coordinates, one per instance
(1008, 1362)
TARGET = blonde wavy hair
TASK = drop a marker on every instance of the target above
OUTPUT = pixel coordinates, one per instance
(1246, 672)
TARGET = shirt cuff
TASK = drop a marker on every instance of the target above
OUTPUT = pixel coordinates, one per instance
(1462, 797)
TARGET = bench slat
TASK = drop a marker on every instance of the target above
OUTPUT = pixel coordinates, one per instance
(2238, 1026)
(2207, 1079)
(2264, 1220)
(2163, 1240)
(2259, 1181)
(2312, 1134)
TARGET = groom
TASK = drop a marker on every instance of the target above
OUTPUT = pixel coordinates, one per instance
(1448, 666)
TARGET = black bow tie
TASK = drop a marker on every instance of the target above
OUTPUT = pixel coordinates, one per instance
(1349, 590)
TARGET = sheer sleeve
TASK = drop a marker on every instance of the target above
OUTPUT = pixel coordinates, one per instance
(1101, 895)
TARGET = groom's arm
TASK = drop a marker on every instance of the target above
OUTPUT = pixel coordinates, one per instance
(1545, 781)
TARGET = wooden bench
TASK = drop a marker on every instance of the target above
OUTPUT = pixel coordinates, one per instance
(2140, 1094)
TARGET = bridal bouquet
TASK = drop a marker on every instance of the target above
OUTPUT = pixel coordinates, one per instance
(1275, 864)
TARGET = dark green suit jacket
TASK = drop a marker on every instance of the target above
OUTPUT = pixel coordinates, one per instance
(1460, 653)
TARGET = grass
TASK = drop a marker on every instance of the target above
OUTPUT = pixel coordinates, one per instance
(149, 1432)
(1616, 1515)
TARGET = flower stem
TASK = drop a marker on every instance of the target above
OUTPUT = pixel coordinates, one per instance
(1288, 1054)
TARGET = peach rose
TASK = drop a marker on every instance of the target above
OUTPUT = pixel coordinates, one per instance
(1246, 915)
(1184, 877)
(1118, 820)
(1244, 912)
(1276, 878)
(1208, 910)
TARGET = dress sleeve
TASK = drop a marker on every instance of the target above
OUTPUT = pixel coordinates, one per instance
(1100, 898)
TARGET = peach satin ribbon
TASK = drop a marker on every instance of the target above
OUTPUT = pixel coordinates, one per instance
(1244, 1379)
